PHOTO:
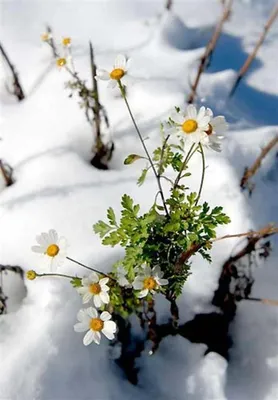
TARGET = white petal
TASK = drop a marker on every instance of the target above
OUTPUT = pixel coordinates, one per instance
(80, 327)
(209, 112)
(120, 62)
(112, 84)
(110, 326)
(127, 80)
(86, 281)
(104, 296)
(96, 337)
(122, 281)
(45, 237)
(103, 75)
(97, 301)
(157, 272)
(147, 270)
(105, 316)
(219, 124)
(128, 64)
(86, 297)
(178, 118)
(137, 283)
(41, 240)
(105, 288)
(191, 111)
(143, 293)
(38, 249)
(94, 278)
(203, 122)
(63, 244)
(53, 236)
(82, 316)
(163, 282)
(92, 312)
(103, 281)
(108, 334)
(202, 113)
(88, 338)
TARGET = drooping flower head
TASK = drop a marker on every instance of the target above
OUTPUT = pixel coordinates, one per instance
(61, 62)
(94, 288)
(149, 280)
(45, 37)
(118, 73)
(91, 321)
(52, 247)
(217, 127)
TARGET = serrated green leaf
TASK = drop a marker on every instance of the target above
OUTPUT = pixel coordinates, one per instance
(142, 177)
(112, 239)
(111, 216)
(132, 158)
(102, 228)
(127, 202)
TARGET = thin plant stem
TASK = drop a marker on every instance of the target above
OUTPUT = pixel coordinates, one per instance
(203, 173)
(91, 269)
(186, 160)
(144, 146)
(60, 275)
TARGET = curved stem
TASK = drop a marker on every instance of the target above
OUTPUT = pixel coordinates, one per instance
(60, 275)
(144, 146)
(91, 269)
(186, 160)
(203, 173)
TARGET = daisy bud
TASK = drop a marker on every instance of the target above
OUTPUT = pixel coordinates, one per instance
(31, 275)
(45, 37)
(61, 62)
(66, 41)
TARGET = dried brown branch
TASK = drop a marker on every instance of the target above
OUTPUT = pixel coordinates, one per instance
(251, 56)
(267, 230)
(7, 173)
(96, 108)
(209, 49)
(249, 172)
(17, 88)
(269, 302)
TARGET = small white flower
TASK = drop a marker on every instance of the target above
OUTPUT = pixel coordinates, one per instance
(149, 280)
(217, 127)
(94, 288)
(52, 247)
(91, 321)
(121, 277)
(192, 125)
(118, 73)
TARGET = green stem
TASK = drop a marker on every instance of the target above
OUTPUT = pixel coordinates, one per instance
(144, 146)
(203, 173)
(185, 162)
(91, 269)
(61, 275)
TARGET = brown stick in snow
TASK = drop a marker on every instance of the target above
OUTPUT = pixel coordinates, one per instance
(7, 173)
(249, 172)
(209, 49)
(169, 4)
(251, 56)
(18, 91)
(96, 109)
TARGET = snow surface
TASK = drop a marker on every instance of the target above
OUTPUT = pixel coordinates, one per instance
(48, 142)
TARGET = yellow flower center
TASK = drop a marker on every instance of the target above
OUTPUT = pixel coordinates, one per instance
(52, 250)
(66, 41)
(31, 275)
(96, 324)
(117, 73)
(149, 283)
(189, 126)
(210, 129)
(95, 288)
(45, 37)
(61, 62)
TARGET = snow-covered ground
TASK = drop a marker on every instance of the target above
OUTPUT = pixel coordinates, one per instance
(47, 141)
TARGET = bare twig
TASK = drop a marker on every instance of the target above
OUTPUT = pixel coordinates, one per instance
(251, 56)
(267, 230)
(209, 49)
(18, 91)
(51, 41)
(7, 173)
(264, 301)
(169, 5)
(96, 108)
(249, 172)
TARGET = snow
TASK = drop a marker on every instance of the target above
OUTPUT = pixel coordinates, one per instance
(48, 143)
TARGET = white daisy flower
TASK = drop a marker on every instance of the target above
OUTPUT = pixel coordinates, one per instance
(118, 73)
(191, 124)
(217, 127)
(94, 288)
(52, 247)
(91, 321)
(121, 277)
(149, 280)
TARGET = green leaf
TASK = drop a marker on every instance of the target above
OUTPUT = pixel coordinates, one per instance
(132, 158)
(142, 177)
(102, 228)
(76, 282)
(112, 239)
(127, 202)
(111, 216)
